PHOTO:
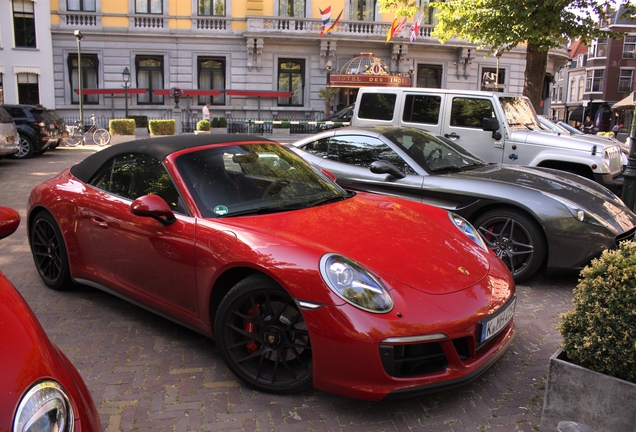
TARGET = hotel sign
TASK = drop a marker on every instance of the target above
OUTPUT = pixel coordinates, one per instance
(350, 80)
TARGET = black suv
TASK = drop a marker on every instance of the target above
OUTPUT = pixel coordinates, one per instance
(38, 130)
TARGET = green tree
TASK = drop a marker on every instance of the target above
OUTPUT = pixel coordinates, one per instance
(327, 94)
(502, 25)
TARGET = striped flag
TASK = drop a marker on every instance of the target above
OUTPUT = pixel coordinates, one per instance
(333, 26)
(325, 15)
(415, 28)
(395, 29)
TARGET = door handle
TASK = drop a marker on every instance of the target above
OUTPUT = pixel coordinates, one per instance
(452, 136)
(99, 222)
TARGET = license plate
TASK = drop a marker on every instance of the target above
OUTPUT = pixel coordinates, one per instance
(494, 323)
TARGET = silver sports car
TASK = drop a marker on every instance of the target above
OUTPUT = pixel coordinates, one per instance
(533, 218)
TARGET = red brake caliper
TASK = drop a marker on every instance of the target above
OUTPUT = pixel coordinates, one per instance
(248, 326)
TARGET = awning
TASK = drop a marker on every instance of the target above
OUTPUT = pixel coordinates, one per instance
(626, 103)
(258, 93)
(26, 69)
(577, 114)
(192, 92)
(111, 91)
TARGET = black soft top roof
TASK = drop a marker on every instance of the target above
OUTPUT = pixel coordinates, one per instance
(158, 147)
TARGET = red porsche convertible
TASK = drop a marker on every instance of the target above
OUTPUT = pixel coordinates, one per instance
(40, 390)
(299, 281)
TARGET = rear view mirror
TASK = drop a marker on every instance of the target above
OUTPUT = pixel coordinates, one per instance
(9, 221)
(384, 167)
(490, 124)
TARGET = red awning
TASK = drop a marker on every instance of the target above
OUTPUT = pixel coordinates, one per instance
(112, 91)
(257, 93)
(193, 92)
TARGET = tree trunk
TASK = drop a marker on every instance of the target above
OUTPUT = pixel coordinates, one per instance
(536, 64)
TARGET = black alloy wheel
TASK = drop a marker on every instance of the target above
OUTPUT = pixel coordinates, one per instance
(263, 338)
(49, 251)
(516, 239)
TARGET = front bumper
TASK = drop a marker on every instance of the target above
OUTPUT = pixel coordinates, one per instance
(348, 344)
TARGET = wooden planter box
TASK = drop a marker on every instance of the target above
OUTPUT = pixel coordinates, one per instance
(197, 132)
(118, 139)
(216, 131)
(574, 393)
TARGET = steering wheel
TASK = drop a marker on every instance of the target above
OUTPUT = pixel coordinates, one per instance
(430, 155)
(275, 187)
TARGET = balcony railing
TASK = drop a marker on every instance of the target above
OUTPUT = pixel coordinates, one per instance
(269, 25)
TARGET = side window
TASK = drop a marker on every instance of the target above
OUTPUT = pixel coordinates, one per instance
(468, 112)
(134, 175)
(377, 106)
(421, 109)
(319, 148)
(363, 151)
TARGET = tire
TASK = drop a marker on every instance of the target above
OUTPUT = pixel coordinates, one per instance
(49, 252)
(263, 338)
(25, 148)
(516, 238)
(101, 137)
(73, 139)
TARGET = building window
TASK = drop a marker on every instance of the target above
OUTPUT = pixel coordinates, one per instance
(1, 88)
(560, 94)
(81, 5)
(28, 89)
(362, 10)
(291, 79)
(24, 23)
(211, 8)
(211, 77)
(292, 8)
(625, 80)
(572, 95)
(429, 76)
(598, 48)
(491, 82)
(554, 93)
(579, 94)
(594, 80)
(149, 6)
(629, 46)
(150, 77)
(90, 67)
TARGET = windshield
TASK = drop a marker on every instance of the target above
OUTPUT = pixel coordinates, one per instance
(253, 179)
(569, 128)
(434, 154)
(519, 112)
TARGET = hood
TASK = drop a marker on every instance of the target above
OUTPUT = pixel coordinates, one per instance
(539, 136)
(24, 348)
(586, 193)
(414, 243)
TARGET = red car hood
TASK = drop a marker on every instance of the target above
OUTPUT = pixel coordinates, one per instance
(416, 244)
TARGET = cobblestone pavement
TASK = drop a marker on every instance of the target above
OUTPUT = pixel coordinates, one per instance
(149, 374)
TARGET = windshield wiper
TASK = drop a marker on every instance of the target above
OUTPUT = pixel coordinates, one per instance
(255, 211)
(326, 200)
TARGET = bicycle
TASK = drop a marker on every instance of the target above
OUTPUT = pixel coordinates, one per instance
(99, 135)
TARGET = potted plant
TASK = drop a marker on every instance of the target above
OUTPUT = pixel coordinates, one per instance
(218, 125)
(203, 127)
(176, 93)
(592, 379)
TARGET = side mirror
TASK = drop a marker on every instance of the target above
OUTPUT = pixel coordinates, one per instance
(9, 221)
(384, 167)
(153, 206)
(490, 124)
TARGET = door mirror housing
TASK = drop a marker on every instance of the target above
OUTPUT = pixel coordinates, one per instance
(384, 167)
(9, 221)
(153, 206)
(490, 124)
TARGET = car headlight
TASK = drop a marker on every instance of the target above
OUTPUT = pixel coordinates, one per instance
(354, 284)
(45, 407)
(468, 230)
(579, 213)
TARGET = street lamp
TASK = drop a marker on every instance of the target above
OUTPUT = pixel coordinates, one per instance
(79, 36)
(125, 76)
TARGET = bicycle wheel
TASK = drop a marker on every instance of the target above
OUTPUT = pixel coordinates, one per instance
(74, 138)
(101, 137)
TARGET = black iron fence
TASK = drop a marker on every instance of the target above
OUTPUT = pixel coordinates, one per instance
(189, 121)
